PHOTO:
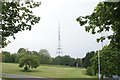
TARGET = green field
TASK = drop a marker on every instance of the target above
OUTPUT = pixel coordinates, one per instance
(47, 71)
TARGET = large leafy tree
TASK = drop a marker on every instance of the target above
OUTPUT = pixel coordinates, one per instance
(86, 60)
(78, 62)
(105, 17)
(67, 60)
(6, 57)
(44, 52)
(44, 56)
(22, 50)
(29, 61)
(17, 16)
(109, 61)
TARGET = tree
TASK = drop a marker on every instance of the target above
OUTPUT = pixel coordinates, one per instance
(86, 60)
(67, 60)
(22, 50)
(78, 62)
(90, 71)
(44, 59)
(45, 52)
(44, 56)
(57, 60)
(20, 53)
(17, 16)
(105, 17)
(109, 61)
(6, 57)
(13, 58)
(29, 61)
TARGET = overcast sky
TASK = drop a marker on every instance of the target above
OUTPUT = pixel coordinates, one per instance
(44, 35)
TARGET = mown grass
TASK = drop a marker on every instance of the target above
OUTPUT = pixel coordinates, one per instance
(47, 71)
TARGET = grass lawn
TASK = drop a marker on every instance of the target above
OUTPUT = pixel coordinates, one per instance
(47, 71)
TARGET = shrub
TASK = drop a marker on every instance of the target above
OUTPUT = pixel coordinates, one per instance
(90, 71)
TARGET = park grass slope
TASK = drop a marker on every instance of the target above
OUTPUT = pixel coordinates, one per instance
(47, 71)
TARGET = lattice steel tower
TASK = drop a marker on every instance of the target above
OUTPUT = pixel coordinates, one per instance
(59, 48)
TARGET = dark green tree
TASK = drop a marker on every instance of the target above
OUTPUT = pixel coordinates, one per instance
(29, 61)
(105, 17)
(13, 58)
(57, 60)
(45, 52)
(78, 62)
(17, 16)
(67, 60)
(109, 61)
(6, 57)
(20, 53)
(44, 56)
(22, 50)
(86, 60)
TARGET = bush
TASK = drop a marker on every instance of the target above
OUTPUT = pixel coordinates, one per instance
(90, 71)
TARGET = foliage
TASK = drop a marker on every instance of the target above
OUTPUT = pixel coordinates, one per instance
(67, 60)
(29, 61)
(109, 61)
(78, 62)
(44, 56)
(90, 71)
(86, 61)
(6, 56)
(44, 59)
(17, 16)
(44, 52)
(57, 60)
(105, 17)
(13, 58)
(22, 50)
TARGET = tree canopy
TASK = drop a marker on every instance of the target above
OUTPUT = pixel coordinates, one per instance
(109, 61)
(29, 61)
(22, 50)
(44, 56)
(87, 59)
(105, 17)
(17, 16)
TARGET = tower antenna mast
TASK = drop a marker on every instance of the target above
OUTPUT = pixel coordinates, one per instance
(59, 48)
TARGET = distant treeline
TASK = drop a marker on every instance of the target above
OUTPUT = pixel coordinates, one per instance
(45, 58)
